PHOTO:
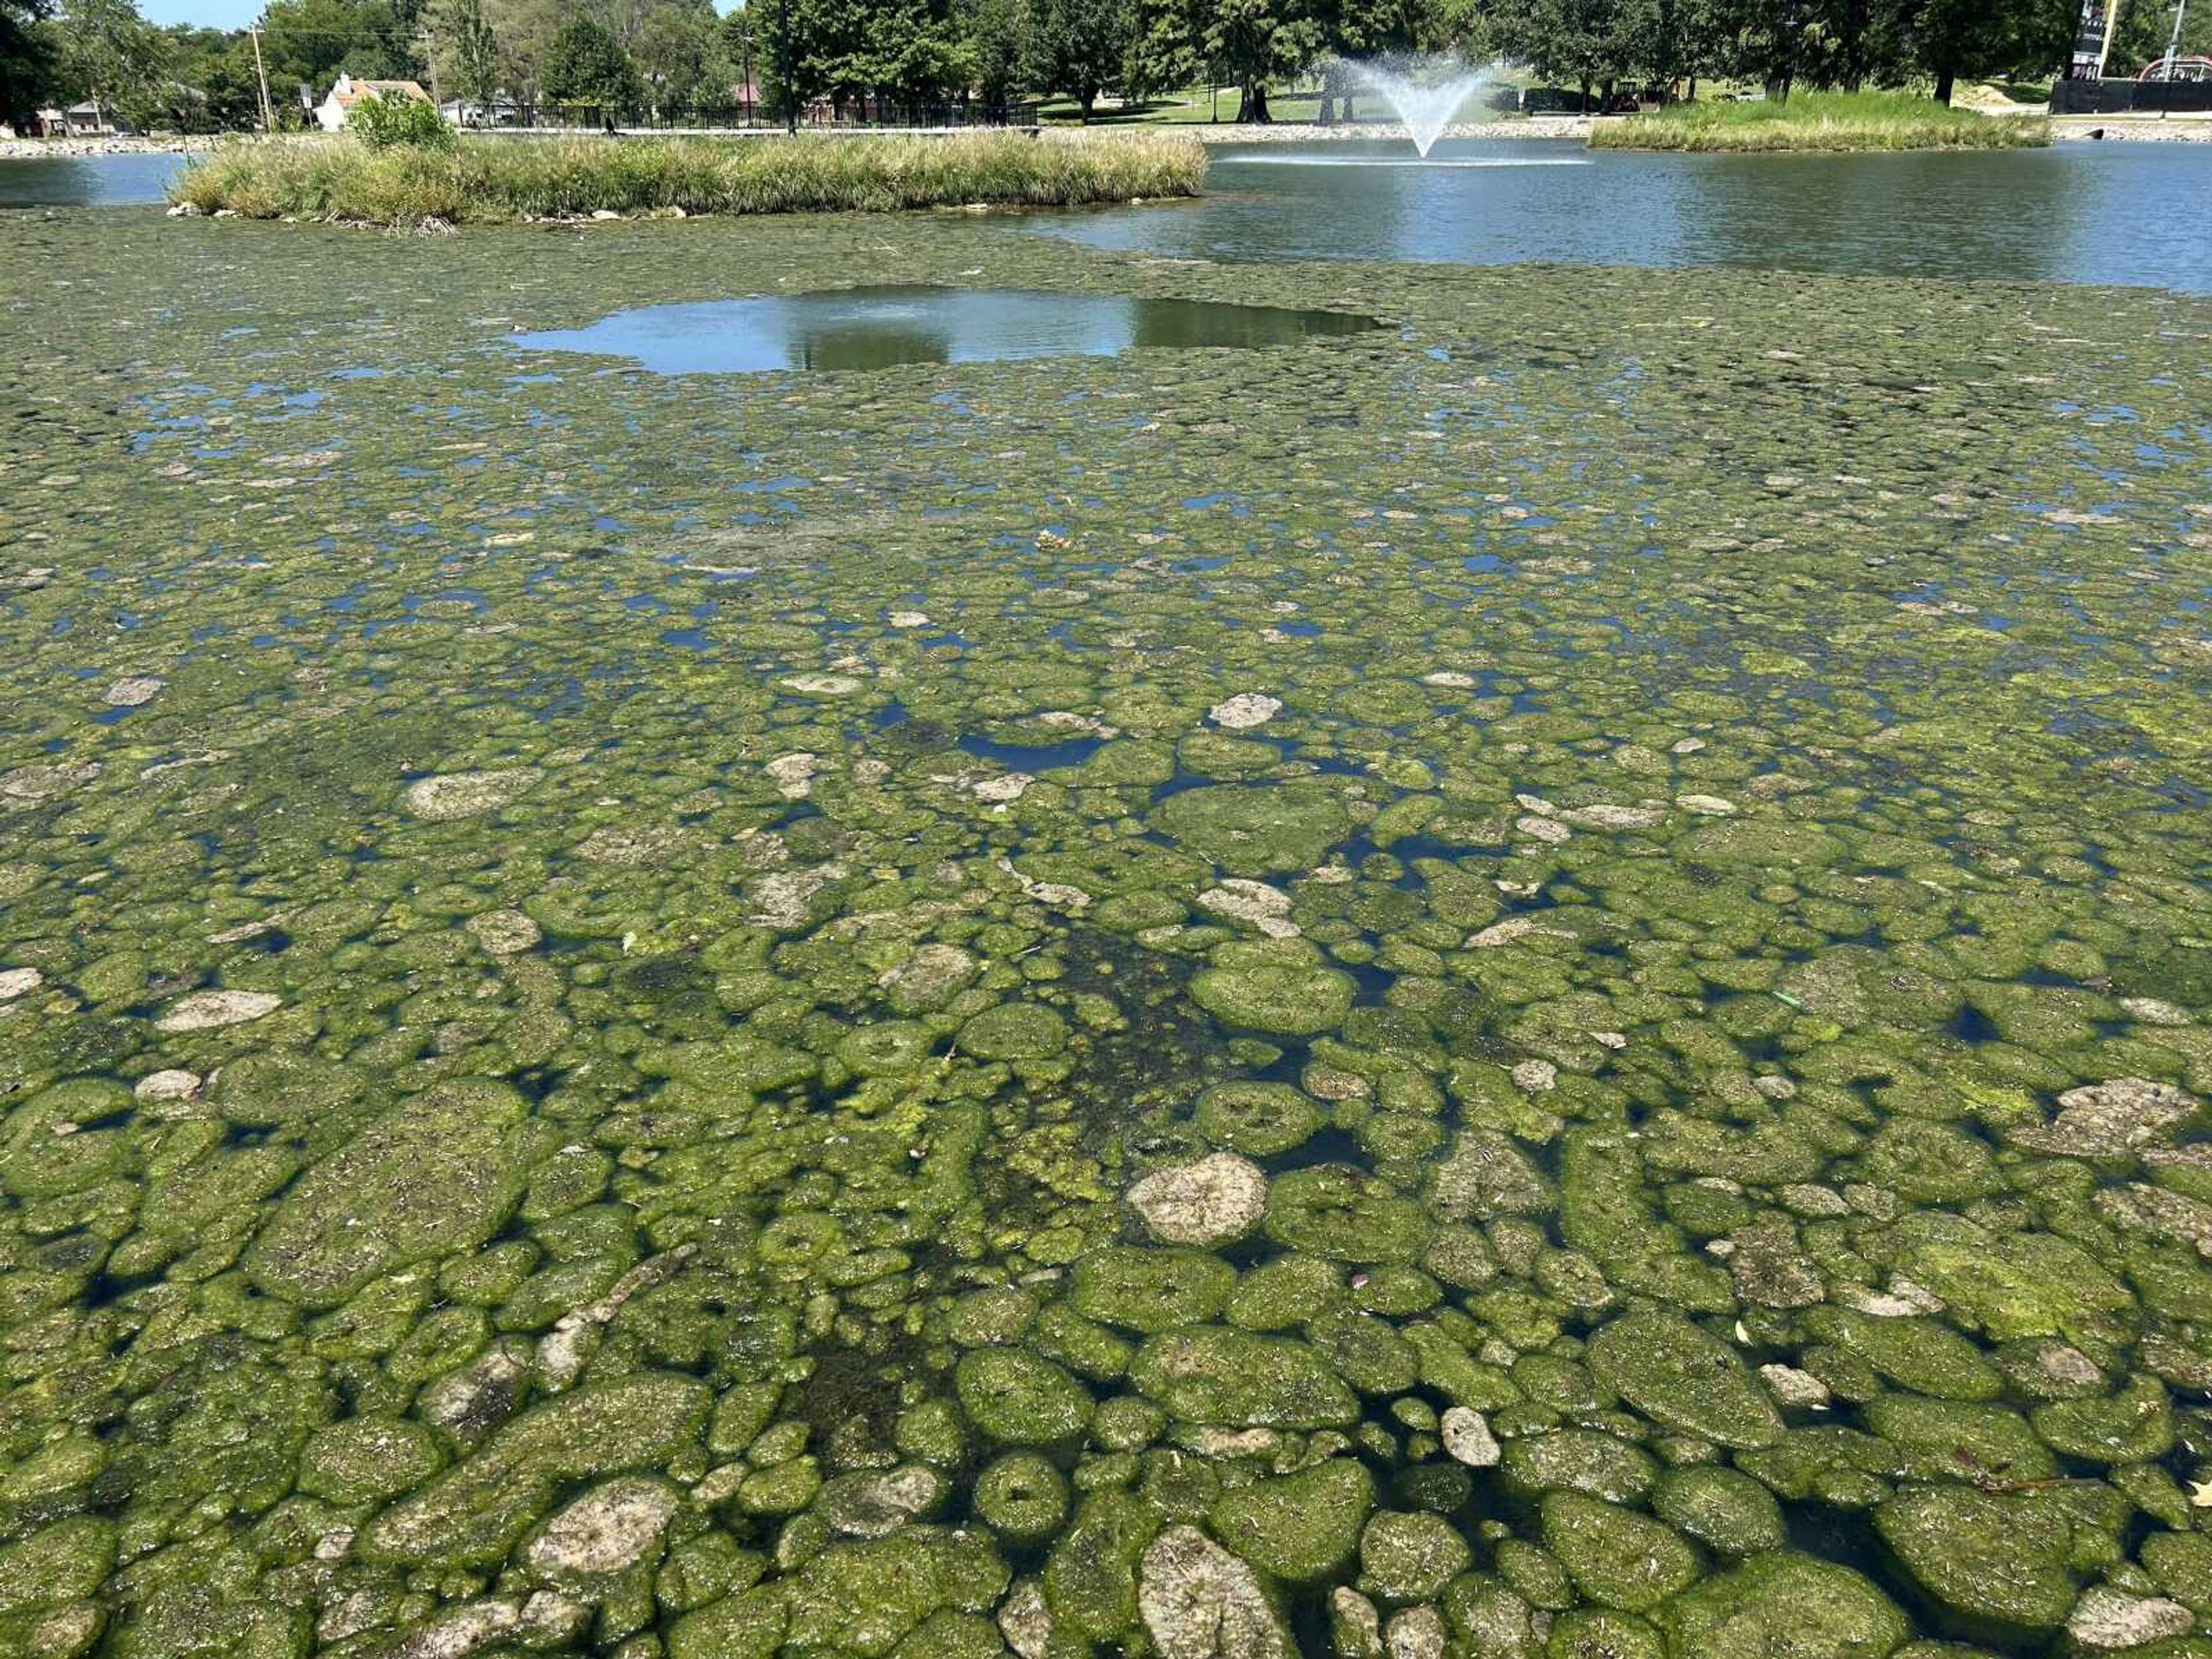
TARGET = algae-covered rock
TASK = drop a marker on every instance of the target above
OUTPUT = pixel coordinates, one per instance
(1919, 1354)
(1409, 1558)
(1677, 1374)
(1148, 1289)
(436, 1174)
(1260, 1120)
(2011, 1285)
(1725, 1510)
(1211, 1200)
(1021, 1398)
(1301, 1527)
(1617, 1558)
(1014, 1032)
(1999, 1560)
(1212, 1374)
(1784, 1606)
(1579, 1459)
(1347, 1215)
(367, 1459)
(1091, 1576)
(1198, 1601)
(1022, 1498)
(865, 1597)
(2134, 1426)
(475, 1511)
(1291, 998)
(1250, 830)
(1485, 1176)
(1602, 1633)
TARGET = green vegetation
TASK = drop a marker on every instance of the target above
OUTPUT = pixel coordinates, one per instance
(1822, 121)
(400, 123)
(491, 181)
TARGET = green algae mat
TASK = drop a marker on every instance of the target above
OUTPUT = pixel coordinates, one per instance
(1536, 982)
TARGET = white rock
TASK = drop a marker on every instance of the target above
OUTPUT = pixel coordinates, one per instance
(822, 685)
(503, 932)
(1245, 710)
(1451, 678)
(1512, 928)
(2104, 1617)
(1535, 1077)
(1550, 831)
(794, 775)
(2152, 1011)
(173, 1084)
(135, 692)
(1218, 1198)
(1253, 902)
(604, 213)
(207, 1010)
(1606, 816)
(608, 1528)
(1793, 1387)
(465, 794)
(1198, 1601)
(1008, 787)
(1468, 1438)
(1416, 1633)
(1709, 806)
(19, 982)
(909, 619)
(1024, 1619)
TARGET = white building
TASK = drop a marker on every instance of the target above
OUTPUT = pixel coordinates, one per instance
(346, 92)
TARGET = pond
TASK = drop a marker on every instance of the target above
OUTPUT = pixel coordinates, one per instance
(2077, 212)
(85, 180)
(1539, 977)
(864, 328)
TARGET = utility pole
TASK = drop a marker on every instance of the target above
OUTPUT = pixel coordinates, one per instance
(261, 73)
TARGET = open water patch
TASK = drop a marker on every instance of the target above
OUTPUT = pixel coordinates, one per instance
(885, 327)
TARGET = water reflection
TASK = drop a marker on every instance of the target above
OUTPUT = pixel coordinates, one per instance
(85, 180)
(864, 328)
(2076, 212)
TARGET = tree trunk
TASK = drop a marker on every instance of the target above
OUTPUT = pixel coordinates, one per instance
(1252, 107)
(1693, 89)
(1946, 80)
(1325, 116)
(1585, 109)
(1089, 97)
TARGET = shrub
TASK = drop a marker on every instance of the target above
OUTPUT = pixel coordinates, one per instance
(384, 122)
(489, 180)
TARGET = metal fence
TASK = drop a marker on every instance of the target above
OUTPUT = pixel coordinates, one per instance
(857, 115)
(2115, 97)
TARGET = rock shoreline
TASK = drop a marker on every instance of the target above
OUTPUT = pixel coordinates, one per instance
(1535, 127)
(78, 150)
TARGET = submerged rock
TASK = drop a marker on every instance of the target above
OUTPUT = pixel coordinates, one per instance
(1198, 1601)
(465, 794)
(609, 1529)
(1218, 1198)
(210, 1011)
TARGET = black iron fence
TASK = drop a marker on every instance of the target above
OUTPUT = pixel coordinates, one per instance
(858, 114)
(2112, 97)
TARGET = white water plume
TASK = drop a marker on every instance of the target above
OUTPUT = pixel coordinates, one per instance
(1424, 100)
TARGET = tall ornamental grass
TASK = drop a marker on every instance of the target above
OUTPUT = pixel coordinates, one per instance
(1822, 121)
(488, 181)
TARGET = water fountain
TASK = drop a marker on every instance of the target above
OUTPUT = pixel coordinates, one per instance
(1425, 103)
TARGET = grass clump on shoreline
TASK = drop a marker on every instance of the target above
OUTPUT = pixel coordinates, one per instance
(1822, 121)
(498, 180)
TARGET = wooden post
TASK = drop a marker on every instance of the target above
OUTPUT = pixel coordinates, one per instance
(261, 72)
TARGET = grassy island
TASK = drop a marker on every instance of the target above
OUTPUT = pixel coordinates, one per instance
(1822, 121)
(496, 181)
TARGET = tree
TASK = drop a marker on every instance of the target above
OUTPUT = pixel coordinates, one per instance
(1257, 42)
(587, 64)
(680, 49)
(27, 61)
(998, 35)
(1079, 46)
(110, 56)
(308, 42)
(1163, 50)
(465, 49)
(1952, 37)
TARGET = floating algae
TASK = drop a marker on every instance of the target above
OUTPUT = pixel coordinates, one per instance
(1535, 983)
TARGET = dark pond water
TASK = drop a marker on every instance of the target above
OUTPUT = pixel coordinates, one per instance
(86, 181)
(2078, 212)
(881, 327)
